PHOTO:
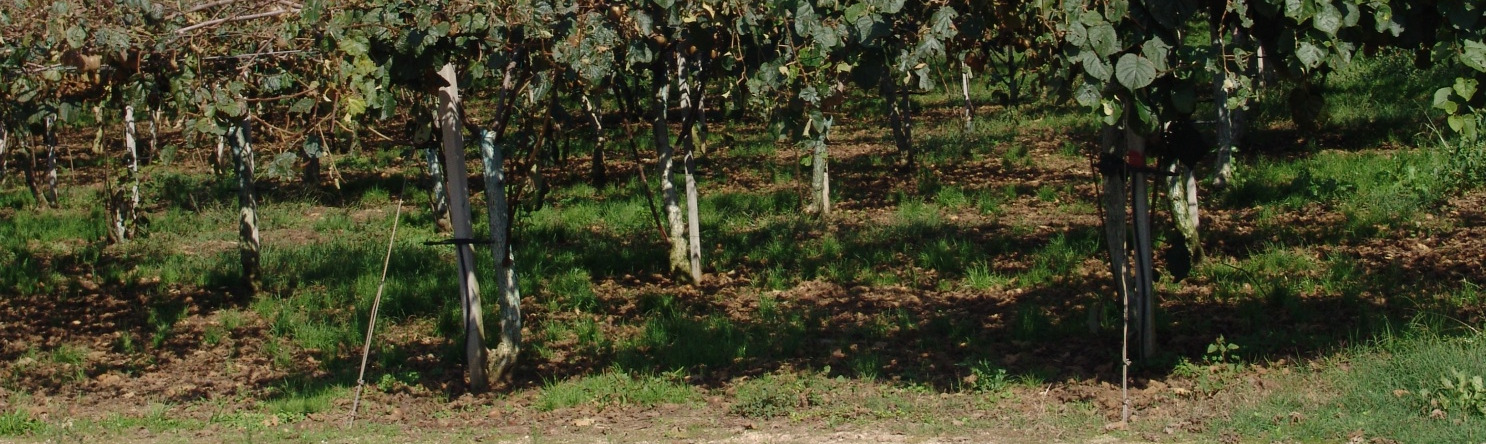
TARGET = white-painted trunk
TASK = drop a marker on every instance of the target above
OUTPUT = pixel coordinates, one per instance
(439, 201)
(131, 152)
(691, 105)
(1181, 188)
(597, 173)
(1229, 118)
(503, 357)
(457, 181)
(51, 160)
(4, 148)
(965, 92)
(820, 179)
(662, 136)
(239, 138)
(154, 134)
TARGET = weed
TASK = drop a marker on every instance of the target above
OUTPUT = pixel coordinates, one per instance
(985, 378)
(17, 423)
(615, 387)
(1457, 392)
(778, 395)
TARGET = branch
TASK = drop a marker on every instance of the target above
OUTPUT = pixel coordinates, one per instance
(219, 21)
(209, 5)
(257, 54)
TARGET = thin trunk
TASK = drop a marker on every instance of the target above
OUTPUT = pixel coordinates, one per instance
(597, 175)
(669, 199)
(1229, 120)
(239, 137)
(820, 174)
(439, 202)
(1115, 200)
(30, 171)
(132, 151)
(154, 149)
(1145, 296)
(701, 114)
(503, 357)
(51, 160)
(900, 120)
(218, 159)
(98, 135)
(692, 106)
(439, 197)
(457, 181)
(693, 221)
(4, 147)
(313, 149)
(1181, 188)
(965, 91)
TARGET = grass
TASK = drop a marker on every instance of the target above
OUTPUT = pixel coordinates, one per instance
(1371, 391)
(615, 387)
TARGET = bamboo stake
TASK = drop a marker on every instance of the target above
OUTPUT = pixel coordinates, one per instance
(371, 324)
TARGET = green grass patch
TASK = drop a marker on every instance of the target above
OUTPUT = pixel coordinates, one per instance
(616, 387)
(1374, 390)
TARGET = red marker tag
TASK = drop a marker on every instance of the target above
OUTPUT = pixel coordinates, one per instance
(1135, 159)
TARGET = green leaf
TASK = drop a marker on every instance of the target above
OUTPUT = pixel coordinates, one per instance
(1087, 95)
(1077, 35)
(1328, 19)
(1442, 100)
(1156, 50)
(1135, 72)
(1104, 40)
(1116, 9)
(353, 46)
(1310, 55)
(1466, 87)
(1096, 66)
(302, 106)
(1091, 18)
(76, 36)
(1473, 54)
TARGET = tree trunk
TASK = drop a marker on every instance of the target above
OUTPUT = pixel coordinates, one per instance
(900, 119)
(662, 136)
(51, 161)
(965, 92)
(503, 357)
(597, 175)
(439, 196)
(1115, 197)
(154, 149)
(457, 181)
(1230, 119)
(132, 150)
(1181, 188)
(1144, 302)
(122, 211)
(693, 221)
(239, 137)
(4, 148)
(691, 105)
(820, 173)
(219, 158)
